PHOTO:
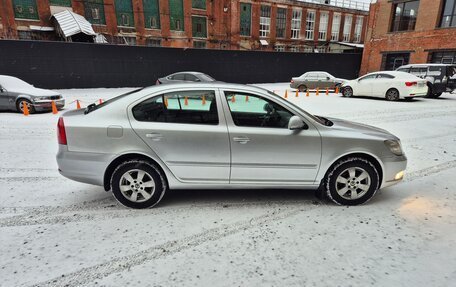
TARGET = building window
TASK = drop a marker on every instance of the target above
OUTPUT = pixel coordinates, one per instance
(335, 29)
(358, 29)
(296, 24)
(246, 18)
(308, 49)
(199, 27)
(449, 14)
(63, 3)
(405, 15)
(151, 14)
(321, 49)
(94, 11)
(281, 22)
(25, 9)
(323, 28)
(176, 15)
(347, 27)
(294, 49)
(392, 61)
(310, 25)
(199, 4)
(265, 21)
(124, 13)
(279, 48)
(443, 57)
(151, 42)
(199, 44)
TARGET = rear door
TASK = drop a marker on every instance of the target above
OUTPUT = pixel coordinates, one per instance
(187, 130)
(4, 99)
(311, 80)
(382, 84)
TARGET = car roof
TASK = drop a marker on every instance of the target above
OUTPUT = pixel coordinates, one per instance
(392, 73)
(187, 72)
(426, 65)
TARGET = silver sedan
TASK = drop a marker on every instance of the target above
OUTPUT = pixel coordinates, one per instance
(219, 136)
(14, 93)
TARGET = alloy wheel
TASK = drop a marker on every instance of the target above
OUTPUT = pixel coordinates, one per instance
(136, 185)
(353, 183)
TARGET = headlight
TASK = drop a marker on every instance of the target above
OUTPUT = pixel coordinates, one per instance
(394, 146)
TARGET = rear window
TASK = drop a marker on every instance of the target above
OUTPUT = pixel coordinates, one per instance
(94, 107)
(206, 78)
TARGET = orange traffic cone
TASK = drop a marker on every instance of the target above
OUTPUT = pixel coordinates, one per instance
(204, 100)
(54, 108)
(297, 93)
(25, 109)
(233, 99)
(307, 93)
(186, 101)
(337, 90)
(327, 91)
(166, 102)
(318, 92)
(246, 98)
(78, 105)
(286, 94)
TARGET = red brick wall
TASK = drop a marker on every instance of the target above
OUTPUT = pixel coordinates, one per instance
(426, 36)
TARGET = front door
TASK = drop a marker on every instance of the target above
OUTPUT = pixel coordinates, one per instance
(187, 130)
(263, 150)
(365, 85)
(4, 100)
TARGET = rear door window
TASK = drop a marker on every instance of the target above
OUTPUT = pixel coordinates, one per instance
(178, 77)
(436, 71)
(385, 76)
(406, 70)
(183, 107)
(192, 78)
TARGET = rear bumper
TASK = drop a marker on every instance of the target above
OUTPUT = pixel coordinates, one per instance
(392, 167)
(41, 106)
(82, 166)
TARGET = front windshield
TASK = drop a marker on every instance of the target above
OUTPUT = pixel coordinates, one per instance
(11, 83)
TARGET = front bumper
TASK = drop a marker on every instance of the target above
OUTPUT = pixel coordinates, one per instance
(392, 166)
(41, 106)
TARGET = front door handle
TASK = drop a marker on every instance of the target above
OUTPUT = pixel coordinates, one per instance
(154, 136)
(241, 140)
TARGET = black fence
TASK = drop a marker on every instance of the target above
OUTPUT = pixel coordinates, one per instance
(78, 65)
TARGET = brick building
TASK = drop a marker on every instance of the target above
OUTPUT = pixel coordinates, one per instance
(283, 25)
(402, 32)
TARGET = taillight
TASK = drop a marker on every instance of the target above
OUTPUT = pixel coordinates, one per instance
(61, 134)
(292, 81)
(409, 84)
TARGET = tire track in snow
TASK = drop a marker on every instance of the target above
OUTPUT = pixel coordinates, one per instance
(89, 274)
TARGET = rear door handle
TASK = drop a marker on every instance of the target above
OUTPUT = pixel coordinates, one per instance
(154, 136)
(241, 140)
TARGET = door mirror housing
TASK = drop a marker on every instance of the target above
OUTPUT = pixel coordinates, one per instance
(2, 90)
(296, 123)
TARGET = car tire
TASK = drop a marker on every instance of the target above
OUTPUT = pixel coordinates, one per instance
(429, 93)
(392, 95)
(138, 184)
(352, 181)
(302, 88)
(347, 92)
(435, 95)
(19, 106)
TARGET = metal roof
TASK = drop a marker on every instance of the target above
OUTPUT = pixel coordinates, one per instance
(71, 24)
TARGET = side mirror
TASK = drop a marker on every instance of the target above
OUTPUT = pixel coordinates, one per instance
(328, 78)
(2, 90)
(296, 123)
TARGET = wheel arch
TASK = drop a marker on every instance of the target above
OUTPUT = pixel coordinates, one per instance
(367, 156)
(126, 157)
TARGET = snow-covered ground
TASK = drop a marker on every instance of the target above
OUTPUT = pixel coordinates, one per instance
(56, 232)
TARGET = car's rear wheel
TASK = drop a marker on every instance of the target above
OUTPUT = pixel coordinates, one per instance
(352, 181)
(138, 184)
(20, 106)
(434, 95)
(347, 92)
(302, 88)
(392, 95)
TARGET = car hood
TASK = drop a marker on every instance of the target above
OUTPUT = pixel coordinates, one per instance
(340, 80)
(361, 128)
(32, 91)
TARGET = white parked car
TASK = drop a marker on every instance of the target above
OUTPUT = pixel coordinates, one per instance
(391, 85)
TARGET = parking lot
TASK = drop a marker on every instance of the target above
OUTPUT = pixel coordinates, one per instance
(58, 232)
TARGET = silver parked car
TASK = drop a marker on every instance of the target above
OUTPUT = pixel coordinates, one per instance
(15, 92)
(315, 79)
(183, 77)
(218, 136)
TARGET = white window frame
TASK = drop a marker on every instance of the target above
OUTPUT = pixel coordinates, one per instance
(347, 27)
(294, 49)
(279, 48)
(296, 24)
(358, 28)
(335, 28)
(310, 24)
(323, 28)
(265, 23)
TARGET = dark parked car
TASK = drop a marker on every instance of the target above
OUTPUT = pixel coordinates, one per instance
(14, 93)
(440, 78)
(185, 77)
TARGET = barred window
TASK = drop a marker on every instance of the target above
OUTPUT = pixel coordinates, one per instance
(265, 21)
(296, 24)
(281, 22)
(310, 25)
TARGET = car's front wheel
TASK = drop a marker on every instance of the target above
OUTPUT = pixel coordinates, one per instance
(20, 106)
(347, 92)
(302, 88)
(138, 184)
(352, 181)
